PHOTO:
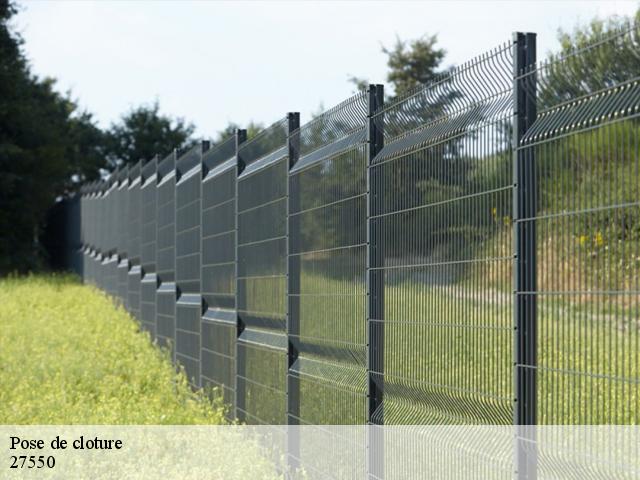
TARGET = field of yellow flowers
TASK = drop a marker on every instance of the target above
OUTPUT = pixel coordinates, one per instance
(69, 356)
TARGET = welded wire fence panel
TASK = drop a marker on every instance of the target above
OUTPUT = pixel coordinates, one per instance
(93, 210)
(327, 268)
(443, 207)
(80, 255)
(468, 253)
(261, 277)
(88, 215)
(218, 223)
(165, 253)
(99, 230)
(83, 231)
(583, 151)
(148, 234)
(133, 237)
(86, 237)
(189, 301)
(111, 218)
(103, 243)
(123, 238)
(99, 243)
(73, 236)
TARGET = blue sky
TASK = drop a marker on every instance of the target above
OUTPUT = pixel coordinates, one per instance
(216, 62)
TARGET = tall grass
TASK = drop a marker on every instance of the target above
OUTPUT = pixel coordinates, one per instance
(69, 356)
(448, 357)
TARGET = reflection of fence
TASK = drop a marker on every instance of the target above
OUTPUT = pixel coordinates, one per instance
(468, 252)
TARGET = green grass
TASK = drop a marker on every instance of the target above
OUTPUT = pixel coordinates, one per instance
(69, 356)
(449, 355)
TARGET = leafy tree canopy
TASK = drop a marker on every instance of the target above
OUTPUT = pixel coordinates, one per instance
(413, 63)
(143, 132)
(604, 64)
(47, 146)
(410, 63)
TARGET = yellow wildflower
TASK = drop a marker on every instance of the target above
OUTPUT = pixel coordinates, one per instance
(598, 239)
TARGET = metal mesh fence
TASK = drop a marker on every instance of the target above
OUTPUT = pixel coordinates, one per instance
(98, 200)
(327, 268)
(123, 240)
(189, 302)
(133, 238)
(84, 208)
(148, 234)
(87, 219)
(94, 232)
(261, 277)
(110, 236)
(443, 213)
(464, 253)
(218, 223)
(582, 153)
(165, 253)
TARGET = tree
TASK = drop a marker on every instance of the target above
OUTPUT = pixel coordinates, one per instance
(86, 151)
(413, 63)
(253, 128)
(584, 77)
(568, 76)
(143, 133)
(45, 143)
(410, 63)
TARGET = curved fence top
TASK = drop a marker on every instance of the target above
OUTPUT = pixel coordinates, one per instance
(266, 147)
(219, 154)
(167, 167)
(333, 131)
(579, 89)
(149, 170)
(456, 102)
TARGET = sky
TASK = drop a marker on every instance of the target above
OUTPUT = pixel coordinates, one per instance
(215, 62)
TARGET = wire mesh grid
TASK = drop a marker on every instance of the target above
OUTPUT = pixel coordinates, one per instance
(280, 251)
(443, 207)
(165, 253)
(583, 151)
(329, 128)
(148, 236)
(261, 349)
(218, 268)
(133, 239)
(189, 302)
(123, 262)
(327, 268)
(111, 240)
(265, 142)
(219, 154)
(98, 201)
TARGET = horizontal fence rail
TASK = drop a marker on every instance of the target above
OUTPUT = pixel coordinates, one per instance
(467, 252)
